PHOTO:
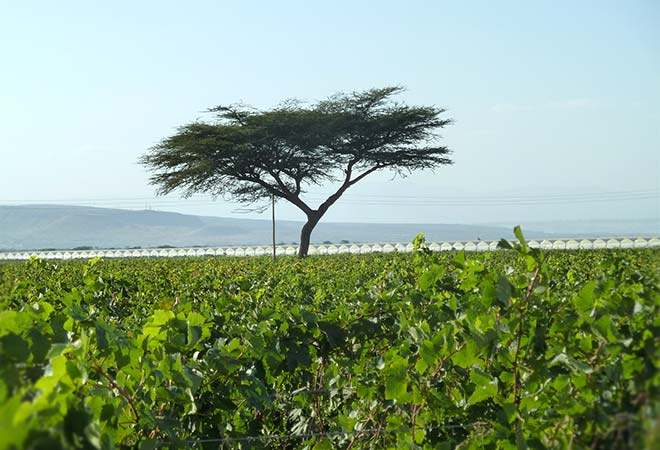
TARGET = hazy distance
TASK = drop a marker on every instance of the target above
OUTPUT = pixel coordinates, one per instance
(38, 227)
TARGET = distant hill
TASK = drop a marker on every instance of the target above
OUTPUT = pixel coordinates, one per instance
(64, 227)
(600, 228)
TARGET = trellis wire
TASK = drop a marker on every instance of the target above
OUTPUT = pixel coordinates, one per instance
(369, 431)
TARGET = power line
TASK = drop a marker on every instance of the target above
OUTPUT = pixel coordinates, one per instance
(518, 196)
(503, 202)
(367, 202)
(349, 194)
(382, 200)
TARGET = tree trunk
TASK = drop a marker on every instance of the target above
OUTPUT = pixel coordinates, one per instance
(306, 233)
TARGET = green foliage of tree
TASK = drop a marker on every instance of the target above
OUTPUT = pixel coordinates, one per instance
(250, 155)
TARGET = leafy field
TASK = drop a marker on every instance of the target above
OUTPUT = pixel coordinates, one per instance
(505, 349)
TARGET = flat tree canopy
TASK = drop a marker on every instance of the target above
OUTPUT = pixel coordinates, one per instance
(250, 155)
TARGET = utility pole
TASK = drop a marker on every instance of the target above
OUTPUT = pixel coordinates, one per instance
(273, 217)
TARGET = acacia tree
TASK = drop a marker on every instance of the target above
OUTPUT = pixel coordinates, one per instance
(250, 155)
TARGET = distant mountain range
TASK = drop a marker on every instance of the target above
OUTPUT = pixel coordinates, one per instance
(65, 227)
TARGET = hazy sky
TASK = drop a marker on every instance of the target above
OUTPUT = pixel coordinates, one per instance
(555, 103)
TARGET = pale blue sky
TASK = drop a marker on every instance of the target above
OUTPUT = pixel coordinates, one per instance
(549, 98)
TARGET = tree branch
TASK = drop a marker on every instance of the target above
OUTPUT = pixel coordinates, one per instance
(278, 180)
(230, 112)
(297, 179)
(268, 187)
(367, 172)
(300, 204)
(121, 391)
(285, 193)
(348, 182)
(519, 334)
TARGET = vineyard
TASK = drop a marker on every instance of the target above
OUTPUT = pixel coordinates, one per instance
(506, 349)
